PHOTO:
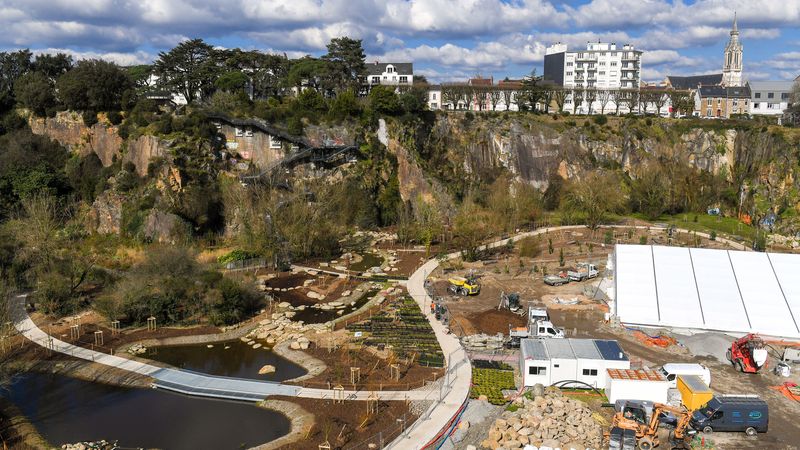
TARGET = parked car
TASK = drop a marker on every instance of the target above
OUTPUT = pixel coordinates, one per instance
(746, 413)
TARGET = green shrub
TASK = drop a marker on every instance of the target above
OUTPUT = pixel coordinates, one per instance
(89, 118)
(601, 119)
(713, 235)
(236, 255)
(115, 117)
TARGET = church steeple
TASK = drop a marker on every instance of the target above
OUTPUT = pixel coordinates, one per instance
(732, 66)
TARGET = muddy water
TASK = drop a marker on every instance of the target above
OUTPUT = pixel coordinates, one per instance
(237, 360)
(369, 260)
(68, 410)
(314, 315)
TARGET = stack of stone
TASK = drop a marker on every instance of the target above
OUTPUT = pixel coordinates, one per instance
(549, 420)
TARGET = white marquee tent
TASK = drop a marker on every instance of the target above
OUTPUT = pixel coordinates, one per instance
(723, 290)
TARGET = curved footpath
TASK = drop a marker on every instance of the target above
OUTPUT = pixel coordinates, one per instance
(447, 396)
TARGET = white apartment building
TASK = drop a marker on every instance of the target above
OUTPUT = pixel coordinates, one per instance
(770, 97)
(601, 66)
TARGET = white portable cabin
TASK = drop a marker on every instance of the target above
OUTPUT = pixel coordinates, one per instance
(636, 385)
(550, 361)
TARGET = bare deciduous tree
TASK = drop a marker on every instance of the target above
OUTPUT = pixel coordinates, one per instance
(560, 97)
(590, 95)
(603, 97)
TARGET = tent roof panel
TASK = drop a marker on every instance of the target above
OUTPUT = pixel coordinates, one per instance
(637, 300)
(677, 291)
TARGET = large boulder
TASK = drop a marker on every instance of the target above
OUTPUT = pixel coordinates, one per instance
(163, 227)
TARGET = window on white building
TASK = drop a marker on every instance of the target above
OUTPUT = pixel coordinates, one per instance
(569, 74)
(613, 64)
(758, 94)
(533, 370)
(590, 372)
(756, 105)
(774, 106)
(602, 72)
(602, 63)
(376, 79)
(784, 96)
(569, 64)
(771, 95)
(403, 79)
(433, 96)
(389, 69)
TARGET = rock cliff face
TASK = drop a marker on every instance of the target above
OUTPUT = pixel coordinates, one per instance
(144, 149)
(69, 130)
(444, 157)
(532, 150)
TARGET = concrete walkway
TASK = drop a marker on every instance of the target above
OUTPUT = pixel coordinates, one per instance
(199, 384)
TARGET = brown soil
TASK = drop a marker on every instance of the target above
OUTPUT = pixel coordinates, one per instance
(349, 424)
(92, 322)
(496, 321)
(374, 369)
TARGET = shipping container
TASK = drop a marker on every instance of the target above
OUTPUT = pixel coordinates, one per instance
(639, 384)
(695, 393)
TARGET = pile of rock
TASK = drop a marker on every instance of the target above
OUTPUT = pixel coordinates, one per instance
(99, 445)
(280, 327)
(301, 343)
(137, 349)
(550, 420)
(483, 341)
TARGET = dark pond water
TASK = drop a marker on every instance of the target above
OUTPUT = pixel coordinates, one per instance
(369, 261)
(65, 410)
(314, 315)
(238, 360)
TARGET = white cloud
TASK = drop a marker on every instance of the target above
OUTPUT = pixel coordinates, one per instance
(123, 59)
(514, 49)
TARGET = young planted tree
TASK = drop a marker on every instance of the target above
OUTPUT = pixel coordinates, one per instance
(508, 97)
(548, 93)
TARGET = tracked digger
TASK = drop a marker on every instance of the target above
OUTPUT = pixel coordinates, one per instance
(632, 429)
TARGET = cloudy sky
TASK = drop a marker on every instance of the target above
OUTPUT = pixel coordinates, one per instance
(446, 39)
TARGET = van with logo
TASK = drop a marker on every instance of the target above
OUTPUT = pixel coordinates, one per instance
(746, 413)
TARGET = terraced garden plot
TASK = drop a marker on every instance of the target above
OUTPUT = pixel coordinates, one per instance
(403, 327)
(491, 383)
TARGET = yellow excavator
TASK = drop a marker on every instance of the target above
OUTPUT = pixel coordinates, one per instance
(464, 286)
(632, 428)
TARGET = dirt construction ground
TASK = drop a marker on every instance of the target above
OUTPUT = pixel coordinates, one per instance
(504, 273)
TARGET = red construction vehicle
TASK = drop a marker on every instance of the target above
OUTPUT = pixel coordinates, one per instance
(748, 354)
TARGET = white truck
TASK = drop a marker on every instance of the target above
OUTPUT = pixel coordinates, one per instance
(539, 326)
(583, 271)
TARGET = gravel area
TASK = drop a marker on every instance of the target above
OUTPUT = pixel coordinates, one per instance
(474, 426)
(707, 344)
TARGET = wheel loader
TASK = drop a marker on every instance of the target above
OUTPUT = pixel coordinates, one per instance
(464, 286)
